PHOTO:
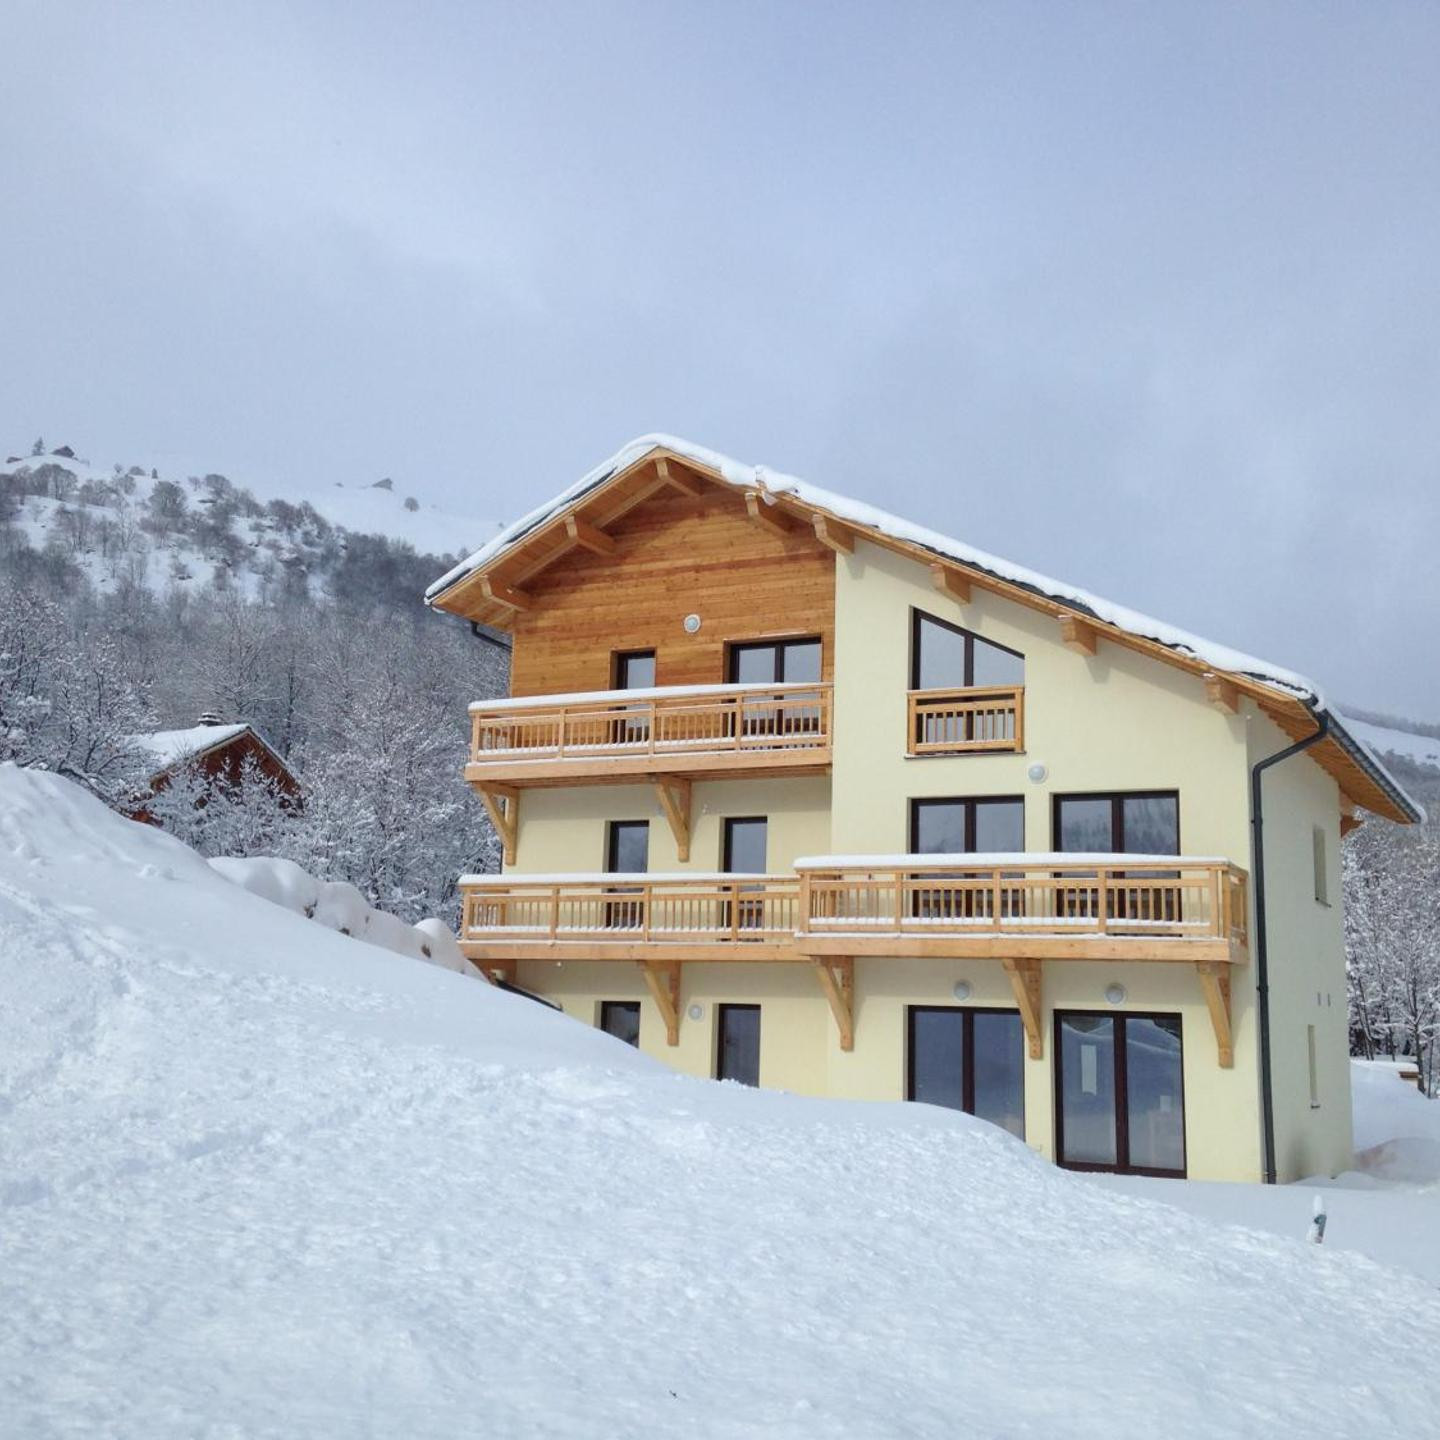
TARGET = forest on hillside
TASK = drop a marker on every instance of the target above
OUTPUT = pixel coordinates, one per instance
(147, 602)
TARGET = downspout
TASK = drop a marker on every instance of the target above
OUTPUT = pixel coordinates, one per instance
(1262, 947)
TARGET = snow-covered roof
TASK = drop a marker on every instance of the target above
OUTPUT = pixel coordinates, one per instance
(773, 483)
(174, 747)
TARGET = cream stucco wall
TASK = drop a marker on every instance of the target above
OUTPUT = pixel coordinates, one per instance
(1115, 721)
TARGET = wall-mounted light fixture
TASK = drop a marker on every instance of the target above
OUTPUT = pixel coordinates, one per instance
(692, 624)
(961, 990)
(696, 1012)
(1115, 994)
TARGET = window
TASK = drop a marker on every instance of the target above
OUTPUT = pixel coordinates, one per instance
(621, 1018)
(968, 826)
(738, 1044)
(634, 669)
(1314, 1067)
(1120, 1093)
(627, 852)
(971, 1060)
(786, 662)
(945, 657)
(1144, 822)
(1322, 871)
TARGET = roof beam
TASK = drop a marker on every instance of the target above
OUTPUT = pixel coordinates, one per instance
(676, 478)
(1222, 693)
(832, 536)
(1077, 635)
(950, 582)
(765, 512)
(506, 595)
(588, 536)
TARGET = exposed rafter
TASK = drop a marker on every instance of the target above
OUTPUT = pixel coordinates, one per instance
(588, 536)
(676, 478)
(832, 535)
(664, 983)
(506, 595)
(836, 974)
(949, 581)
(502, 804)
(1222, 693)
(673, 792)
(1215, 981)
(1025, 982)
(1350, 818)
(1078, 635)
(766, 512)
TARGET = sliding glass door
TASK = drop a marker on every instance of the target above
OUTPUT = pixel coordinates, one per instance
(971, 1060)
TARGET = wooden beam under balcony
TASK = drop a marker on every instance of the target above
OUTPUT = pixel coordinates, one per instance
(1215, 981)
(1024, 978)
(674, 792)
(837, 982)
(502, 805)
(663, 981)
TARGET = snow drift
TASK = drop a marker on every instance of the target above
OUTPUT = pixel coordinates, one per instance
(261, 1179)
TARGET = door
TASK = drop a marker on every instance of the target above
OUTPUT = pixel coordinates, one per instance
(970, 1060)
(627, 852)
(983, 825)
(779, 662)
(737, 1051)
(745, 847)
(633, 670)
(1120, 1093)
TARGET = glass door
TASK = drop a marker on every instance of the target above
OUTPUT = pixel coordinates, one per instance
(1120, 1093)
(971, 1060)
(745, 847)
(737, 1054)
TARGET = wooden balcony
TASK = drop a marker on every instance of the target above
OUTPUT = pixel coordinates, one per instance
(1110, 907)
(619, 735)
(977, 720)
(1022, 911)
(631, 917)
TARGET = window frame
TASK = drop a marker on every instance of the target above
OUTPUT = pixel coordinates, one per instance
(779, 644)
(612, 830)
(967, 1078)
(609, 1006)
(1122, 1164)
(1320, 861)
(971, 804)
(1117, 800)
(727, 825)
(620, 658)
(917, 618)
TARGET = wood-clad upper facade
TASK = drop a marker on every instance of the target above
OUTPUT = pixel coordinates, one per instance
(763, 758)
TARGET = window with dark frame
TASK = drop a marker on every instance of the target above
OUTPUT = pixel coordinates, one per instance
(964, 826)
(632, 670)
(621, 1018)
(744, 853)
(969, 1059)
(737, 1044)
(1134, 822)
(945, 657)
(1120, 1092)
(777, 662)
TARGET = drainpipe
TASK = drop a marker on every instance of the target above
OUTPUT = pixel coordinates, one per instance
(1262, 948)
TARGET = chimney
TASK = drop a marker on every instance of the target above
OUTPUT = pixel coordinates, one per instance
(210, 718)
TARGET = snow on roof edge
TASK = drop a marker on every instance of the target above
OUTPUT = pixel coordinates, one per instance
(738, 473)
(174, 747)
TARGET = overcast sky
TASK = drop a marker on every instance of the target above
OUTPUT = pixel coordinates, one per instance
(1147, 297)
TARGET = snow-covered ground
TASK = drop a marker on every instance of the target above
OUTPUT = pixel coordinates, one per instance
(258, 1179)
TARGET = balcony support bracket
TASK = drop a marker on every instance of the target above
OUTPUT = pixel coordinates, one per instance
(1025, 982)
(836, 974)
(502, 805)
(673, 792)
(1215, 981)
(663, 981)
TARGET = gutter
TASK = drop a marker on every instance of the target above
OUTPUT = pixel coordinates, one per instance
(1262, 949)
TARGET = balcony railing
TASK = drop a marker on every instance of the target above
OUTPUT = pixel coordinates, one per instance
(1158, 896)
(689, 910)
(908, 906)
(960, 722)
(783, 721)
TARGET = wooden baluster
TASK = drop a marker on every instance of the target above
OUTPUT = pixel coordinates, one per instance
(1102, 899)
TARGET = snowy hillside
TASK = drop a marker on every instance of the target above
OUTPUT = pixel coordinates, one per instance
(140, 523)
(1392, 741)
(262, 1179)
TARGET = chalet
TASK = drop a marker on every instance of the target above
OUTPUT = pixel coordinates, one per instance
(801, 794)
(219, 751)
